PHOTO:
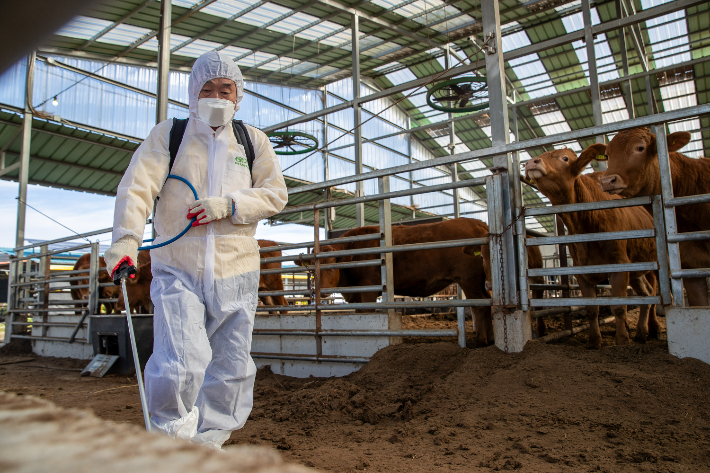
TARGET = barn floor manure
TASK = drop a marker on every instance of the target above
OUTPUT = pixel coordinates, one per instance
(420, 407)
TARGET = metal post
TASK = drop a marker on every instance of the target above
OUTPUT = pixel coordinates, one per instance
(593, 76)
(664, 164)
(564, 279)
(387, 268)
(11, 298)
(25, 155)
(500, 136)
(316, 280)
(411, 174)
(163, 61)
(45, 271)
(520, 222)
(330, 213)
(629, 93)
(649, 95)
(357, 118)
(661, 253)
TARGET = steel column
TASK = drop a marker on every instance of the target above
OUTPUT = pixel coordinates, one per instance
(661, 253)
(628, 92)
(23, 177)
(394, 321)
(161, 112)
(664, 164)
(411, 174)
(593, 76)
(500, 136)
(357, 118)
(520, 232)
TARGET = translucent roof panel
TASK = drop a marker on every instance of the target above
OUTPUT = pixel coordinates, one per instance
(222, 8)
(552, 122)
(573, 145)
(336, 33)
(152, 44)
(614, 110)
(679, 95)
(234, 51)
(668, 35)
(606, 68)
(401, 76)
(293, 22)
(533, 76)
(83, 27)
(256, 58)
(264, 14)
(197, 48)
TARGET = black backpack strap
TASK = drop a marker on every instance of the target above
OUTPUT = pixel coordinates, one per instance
(176, 134)
(242, 135)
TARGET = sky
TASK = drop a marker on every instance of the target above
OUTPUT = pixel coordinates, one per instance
(83, 212)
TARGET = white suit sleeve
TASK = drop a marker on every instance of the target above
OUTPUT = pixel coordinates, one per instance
(268, 195)
(141, 184)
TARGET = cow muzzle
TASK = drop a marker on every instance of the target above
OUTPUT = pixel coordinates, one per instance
(489, 286)
(535, 169)
(613, 184)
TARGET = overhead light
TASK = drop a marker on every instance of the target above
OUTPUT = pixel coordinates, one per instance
(55, 102)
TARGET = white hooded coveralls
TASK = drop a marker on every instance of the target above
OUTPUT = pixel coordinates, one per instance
(201, 376)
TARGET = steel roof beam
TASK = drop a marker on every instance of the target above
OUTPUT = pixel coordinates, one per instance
(113, 25)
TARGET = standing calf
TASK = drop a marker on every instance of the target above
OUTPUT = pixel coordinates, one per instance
(558, 175)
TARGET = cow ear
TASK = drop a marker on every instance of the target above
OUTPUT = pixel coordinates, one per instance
(596, 151)
(677, 140)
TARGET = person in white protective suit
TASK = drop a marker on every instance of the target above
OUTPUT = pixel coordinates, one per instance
(200, 378)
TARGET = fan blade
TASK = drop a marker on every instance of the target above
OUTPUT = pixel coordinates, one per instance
(463, 102)
(457, 90)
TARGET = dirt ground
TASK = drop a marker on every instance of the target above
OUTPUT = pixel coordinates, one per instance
(427, 405)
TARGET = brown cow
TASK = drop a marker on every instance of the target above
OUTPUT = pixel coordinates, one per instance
(138, 288)
(633, 171)
(420, 273)
(108, 292)
(271, 282)
(558, 176)
(534, 261)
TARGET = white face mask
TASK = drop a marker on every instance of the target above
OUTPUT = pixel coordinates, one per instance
(215, 112)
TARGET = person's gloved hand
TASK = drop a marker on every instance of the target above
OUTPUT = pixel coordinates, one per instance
(124, 249)
(210, 209)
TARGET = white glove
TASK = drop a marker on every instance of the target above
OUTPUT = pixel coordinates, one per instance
(124, 249)
(210, 209)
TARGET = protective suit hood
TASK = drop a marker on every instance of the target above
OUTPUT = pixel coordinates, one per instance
(213, 65)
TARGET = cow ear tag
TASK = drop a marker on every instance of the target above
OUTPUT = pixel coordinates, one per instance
(602, 157)
(477, 253)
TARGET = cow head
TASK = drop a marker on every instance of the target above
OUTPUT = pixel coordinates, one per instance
(554, 172)
(633, 162)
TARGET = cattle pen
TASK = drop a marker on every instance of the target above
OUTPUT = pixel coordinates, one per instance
(405, 131)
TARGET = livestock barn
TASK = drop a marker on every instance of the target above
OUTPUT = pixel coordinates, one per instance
(490, 253)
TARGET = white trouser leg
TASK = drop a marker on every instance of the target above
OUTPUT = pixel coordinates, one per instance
(226, 397)
(181, 352)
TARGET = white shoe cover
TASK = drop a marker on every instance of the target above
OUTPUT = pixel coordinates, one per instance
(183, 428)
(212, 438)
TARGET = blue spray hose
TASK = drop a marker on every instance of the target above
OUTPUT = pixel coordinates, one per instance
(189, 225)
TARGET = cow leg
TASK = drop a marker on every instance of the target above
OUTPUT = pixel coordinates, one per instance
(619, 284)
(697, 290)
(654, 328)
(595, 335)
(541, 326)
(641, 288)
(281, 300)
